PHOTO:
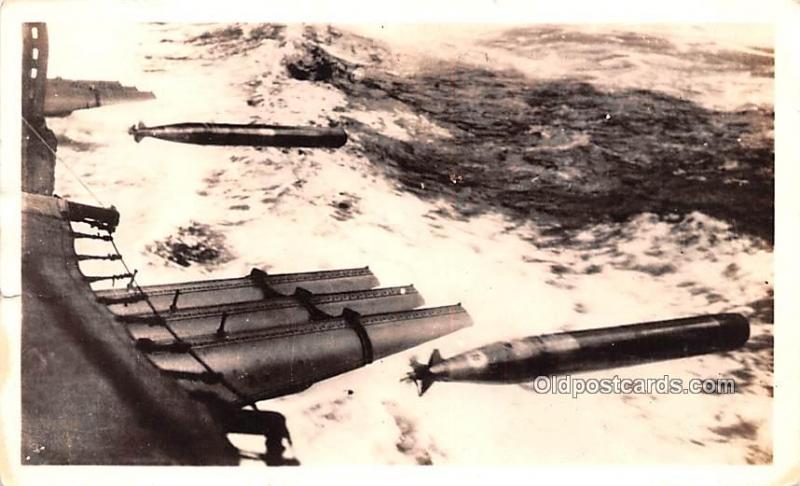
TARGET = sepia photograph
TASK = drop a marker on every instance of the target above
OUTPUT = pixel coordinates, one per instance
(269, 244)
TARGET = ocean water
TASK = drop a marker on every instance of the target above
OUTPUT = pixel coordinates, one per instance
(546, 177)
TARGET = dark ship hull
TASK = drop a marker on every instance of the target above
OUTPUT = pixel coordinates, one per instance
(88, 396)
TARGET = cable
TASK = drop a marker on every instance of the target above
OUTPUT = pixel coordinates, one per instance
(52, 151)
(134, 284)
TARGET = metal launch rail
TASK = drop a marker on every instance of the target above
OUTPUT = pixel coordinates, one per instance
(185, 356)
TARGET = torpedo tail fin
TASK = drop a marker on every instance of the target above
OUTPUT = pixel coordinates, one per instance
(435, 358)
(135, 130)
(420, 373)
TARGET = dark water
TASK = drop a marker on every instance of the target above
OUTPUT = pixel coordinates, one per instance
(646, 152)
(196, 243)
(569, 154)
(562, 152)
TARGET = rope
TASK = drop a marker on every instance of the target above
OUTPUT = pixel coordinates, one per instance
(69, 169)
(135, 285)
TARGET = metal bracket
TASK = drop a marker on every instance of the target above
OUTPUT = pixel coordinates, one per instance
(109, 257)
(127, 299)
(208, 377)
(148, 346)
(121, 276)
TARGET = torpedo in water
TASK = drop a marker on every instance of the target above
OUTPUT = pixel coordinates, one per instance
(254, 135)
(525, 359)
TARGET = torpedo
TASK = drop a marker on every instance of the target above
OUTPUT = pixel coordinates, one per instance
(254, 135)
(525, 359)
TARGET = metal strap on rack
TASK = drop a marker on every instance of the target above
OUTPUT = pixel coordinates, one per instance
(353, 320)
(260, 279)
(305, 297)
